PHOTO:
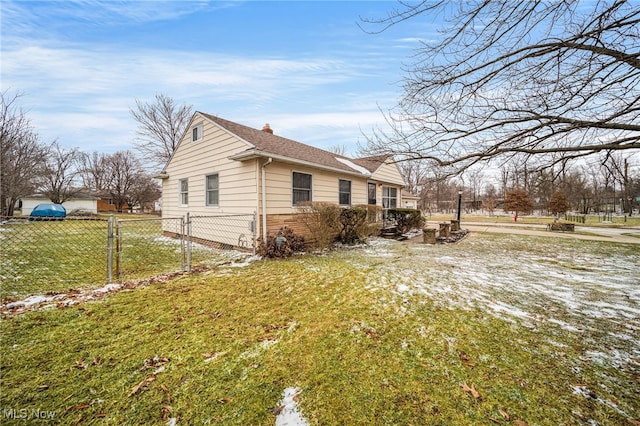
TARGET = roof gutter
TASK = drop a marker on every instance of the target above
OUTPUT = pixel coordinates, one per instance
(264, 200)
(253, 154)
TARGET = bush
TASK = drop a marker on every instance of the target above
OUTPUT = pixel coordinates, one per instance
(354, 225)
(275, 247)
(322, 219)
(406, 219)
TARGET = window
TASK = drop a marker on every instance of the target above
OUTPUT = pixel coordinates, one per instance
(372, 194)
(184, 192)
(389, 197)
(196, 133)
(213, 190)
(344, 192)
(301, 188)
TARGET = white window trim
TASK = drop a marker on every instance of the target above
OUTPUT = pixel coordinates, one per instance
(198, 129)
(292, 188)
(180, 192)
(206, 192)
(389, 197)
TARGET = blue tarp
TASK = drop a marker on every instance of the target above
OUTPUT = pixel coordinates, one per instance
(49, 210)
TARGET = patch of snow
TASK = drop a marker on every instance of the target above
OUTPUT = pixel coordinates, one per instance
(402, 288)
(289, 414)
(586, 393)
(245, 262)
(107, 288)
(579, 291)
(29, 301)
(354, 166)
(215, 356)
(258, 349)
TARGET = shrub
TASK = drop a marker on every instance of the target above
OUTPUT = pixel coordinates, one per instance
(354, 225)
(274, 247)
(406, 219)
(322, 219)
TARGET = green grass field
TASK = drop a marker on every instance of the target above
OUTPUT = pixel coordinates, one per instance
(590, 220)
(493, 330)
(43, 257)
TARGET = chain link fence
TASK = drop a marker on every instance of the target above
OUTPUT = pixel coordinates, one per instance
(41, 256)
(52, 256)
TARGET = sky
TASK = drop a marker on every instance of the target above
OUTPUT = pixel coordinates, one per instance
(305, 67)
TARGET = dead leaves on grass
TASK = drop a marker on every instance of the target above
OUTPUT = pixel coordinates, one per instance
(504, 414)
(157, 363)
(471, 390)
(466, 359)
(142, 384)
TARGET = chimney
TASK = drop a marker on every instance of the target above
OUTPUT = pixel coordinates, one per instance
(267, 129)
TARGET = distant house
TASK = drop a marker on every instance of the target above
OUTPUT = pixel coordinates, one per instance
(409, 201)
(80, 201)
(106, 204)
(222, 167)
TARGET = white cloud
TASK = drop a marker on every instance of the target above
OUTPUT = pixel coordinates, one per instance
(80, 91)
(101, 84)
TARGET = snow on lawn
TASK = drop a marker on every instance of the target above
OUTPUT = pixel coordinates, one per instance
(288, 414)
(582, 289)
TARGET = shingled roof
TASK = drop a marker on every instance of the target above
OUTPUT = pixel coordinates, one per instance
(266, 144)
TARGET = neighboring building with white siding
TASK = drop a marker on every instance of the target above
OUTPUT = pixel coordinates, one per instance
(221, 167)
(79, 201)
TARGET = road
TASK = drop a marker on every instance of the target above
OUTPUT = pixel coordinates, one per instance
(630, 235)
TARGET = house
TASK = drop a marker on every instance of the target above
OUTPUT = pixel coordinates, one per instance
(221, 167)
(106, 203)
(79, 201)
(409, 201)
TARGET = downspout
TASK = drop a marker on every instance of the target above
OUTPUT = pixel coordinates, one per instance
(264, 199)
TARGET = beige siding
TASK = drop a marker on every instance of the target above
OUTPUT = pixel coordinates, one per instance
(209, 155)
(389, 174)
(324, 187)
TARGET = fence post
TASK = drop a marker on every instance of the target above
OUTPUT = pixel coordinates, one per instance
(118, 237)
(110, 249)
(189, 245)
(254, 233)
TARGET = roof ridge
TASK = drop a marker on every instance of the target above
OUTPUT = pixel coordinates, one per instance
(264, 134)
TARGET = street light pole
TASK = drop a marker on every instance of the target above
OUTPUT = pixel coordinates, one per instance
(459, 204)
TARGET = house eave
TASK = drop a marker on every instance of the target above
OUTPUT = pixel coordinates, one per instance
(253, 154)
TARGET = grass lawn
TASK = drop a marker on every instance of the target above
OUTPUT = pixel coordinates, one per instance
(591, 220)
(43, 257)
(498, 329)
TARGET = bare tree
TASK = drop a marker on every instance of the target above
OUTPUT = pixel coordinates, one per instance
(617, 167)
(338, 149)
(60, 172)
(552, 81)
(160, 127)
(94, 171)
(21, 154)
(144, 191)
(124, 171)
(414, 173)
